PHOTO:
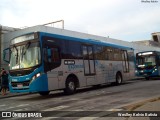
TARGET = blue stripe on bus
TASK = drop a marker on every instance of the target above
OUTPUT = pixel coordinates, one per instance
(83, 40)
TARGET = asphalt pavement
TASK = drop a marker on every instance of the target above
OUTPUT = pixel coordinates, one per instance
(148, 109)
(8, 94)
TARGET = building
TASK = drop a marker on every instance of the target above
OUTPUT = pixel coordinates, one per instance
(3, 42)
(155, 41)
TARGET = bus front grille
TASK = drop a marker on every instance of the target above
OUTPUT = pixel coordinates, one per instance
(146, 73)
(24, 84)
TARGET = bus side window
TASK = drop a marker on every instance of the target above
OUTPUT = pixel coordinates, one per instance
(51, 58)
(45, 54)
(54, 55)
(51, 55)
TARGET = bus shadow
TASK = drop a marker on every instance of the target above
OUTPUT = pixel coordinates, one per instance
(37, 96)
(60, 93)
(150, 79)
(155, 79)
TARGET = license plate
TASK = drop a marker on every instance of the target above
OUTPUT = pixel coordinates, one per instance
(145, 74)
(19, 85)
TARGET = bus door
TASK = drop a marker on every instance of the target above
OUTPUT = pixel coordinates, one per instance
(52, 62)
(89, 64)
(125, 62)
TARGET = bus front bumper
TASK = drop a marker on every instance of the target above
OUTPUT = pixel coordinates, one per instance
(150, 73)
(38, 84)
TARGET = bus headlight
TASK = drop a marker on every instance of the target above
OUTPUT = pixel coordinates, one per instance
(154, 70)
(36, 76)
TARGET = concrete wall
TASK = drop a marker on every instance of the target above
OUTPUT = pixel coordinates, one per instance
(156, 37)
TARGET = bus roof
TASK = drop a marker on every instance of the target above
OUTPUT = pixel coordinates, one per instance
(89, 41)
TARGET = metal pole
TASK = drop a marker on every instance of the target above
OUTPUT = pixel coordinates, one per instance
(62, 24)
(56, 22)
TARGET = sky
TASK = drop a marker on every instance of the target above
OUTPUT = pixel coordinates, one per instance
(129, 20)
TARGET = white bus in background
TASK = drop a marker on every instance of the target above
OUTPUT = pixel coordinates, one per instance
(42, 62)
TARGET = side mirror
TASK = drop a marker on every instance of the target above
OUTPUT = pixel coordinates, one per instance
(158, 61)
(49, 52)
(6, 55)
(49, 55)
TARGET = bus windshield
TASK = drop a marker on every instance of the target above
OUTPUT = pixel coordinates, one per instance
(25, 56)
(146, 61)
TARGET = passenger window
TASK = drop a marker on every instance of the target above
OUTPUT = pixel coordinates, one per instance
(55, 55)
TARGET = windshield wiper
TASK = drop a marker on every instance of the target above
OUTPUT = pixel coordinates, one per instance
(25, 47)
(17, 54)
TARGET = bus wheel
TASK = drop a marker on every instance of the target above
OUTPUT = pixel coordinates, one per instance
(44, 93)
(118, 78)
(70, 86)
(147, 78)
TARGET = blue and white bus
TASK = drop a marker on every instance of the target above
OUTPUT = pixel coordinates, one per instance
(42, 62)
(148, 64)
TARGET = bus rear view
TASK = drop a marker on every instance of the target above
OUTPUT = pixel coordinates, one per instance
(147, 64)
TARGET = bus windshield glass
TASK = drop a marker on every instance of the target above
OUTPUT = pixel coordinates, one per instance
(146, 60)
(25, 56)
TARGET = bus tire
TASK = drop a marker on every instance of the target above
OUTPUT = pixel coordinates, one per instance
(44, 93)
(119, 78)
(70, 86)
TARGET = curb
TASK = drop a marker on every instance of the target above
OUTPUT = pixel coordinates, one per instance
(133, 106)
(14, 95)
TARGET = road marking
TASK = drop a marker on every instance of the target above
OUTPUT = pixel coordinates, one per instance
(116, 109)
(2, 105)
(49, 118)
(53, 109)
(56, 108)
(88, 118)
(19, 110)
(22, 105)
(10, 108)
